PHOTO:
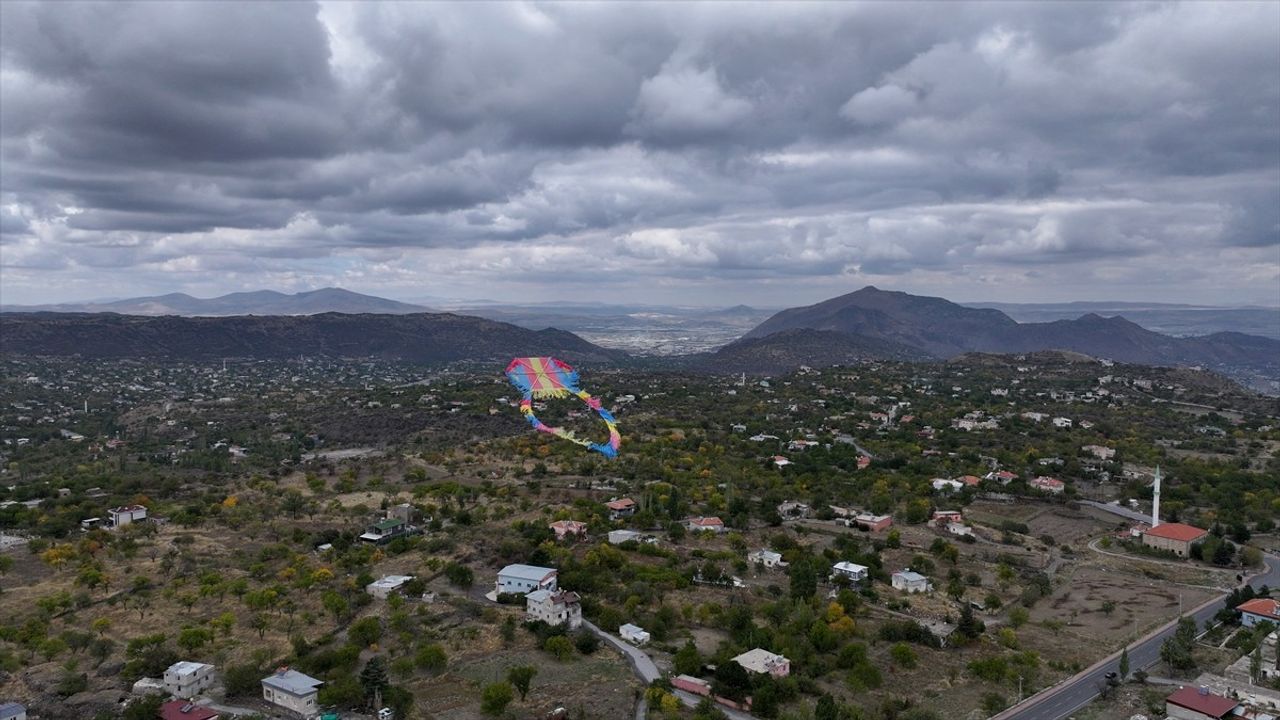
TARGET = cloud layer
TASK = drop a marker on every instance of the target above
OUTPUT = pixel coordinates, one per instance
(766, 153)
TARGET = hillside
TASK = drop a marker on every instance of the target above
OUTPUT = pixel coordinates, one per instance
(261, 302)
(785, 351)
(943, 328)
(423, 337)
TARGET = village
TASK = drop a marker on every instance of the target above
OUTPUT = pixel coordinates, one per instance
(870, 542)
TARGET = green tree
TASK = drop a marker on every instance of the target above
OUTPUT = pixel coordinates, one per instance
(373, 678)
(1255, 664)
(903, 655)
(366, 631)
(559, 646)
(826, 708)
(431, 658)
(335, 604)
(687, 661)
(460, 575)
(146, 707)
(1124, 663)
(804, 581)
(520, 676)
(496, 697)
(970, 626)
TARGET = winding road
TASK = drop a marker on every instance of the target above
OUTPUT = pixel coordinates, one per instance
(1059, 701)
(647, 671)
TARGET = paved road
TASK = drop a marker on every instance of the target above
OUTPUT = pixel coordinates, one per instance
(1059, 702)
(1123, 512)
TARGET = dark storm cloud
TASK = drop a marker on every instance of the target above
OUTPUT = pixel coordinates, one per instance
(685, 143)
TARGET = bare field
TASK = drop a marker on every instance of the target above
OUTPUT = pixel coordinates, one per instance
(1135, 603)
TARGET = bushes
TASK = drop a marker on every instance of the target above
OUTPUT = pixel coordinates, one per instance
(908, 631)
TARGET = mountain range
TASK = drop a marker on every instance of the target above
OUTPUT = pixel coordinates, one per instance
(422, 337)
(868, 324)
(261, 302)
(943, 329)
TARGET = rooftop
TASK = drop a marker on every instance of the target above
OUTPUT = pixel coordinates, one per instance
(1261, 606)
(186, 667)
(292, 682)
(526, 572)
(1202, 701)
(1177, 531)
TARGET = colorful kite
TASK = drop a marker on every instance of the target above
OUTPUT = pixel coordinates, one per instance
(547, 377)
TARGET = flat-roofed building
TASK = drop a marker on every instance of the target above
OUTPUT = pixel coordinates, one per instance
(521, 579)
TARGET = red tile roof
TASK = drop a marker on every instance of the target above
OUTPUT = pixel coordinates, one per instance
(1177, 531)
(1209, 704)
(622, 504)
(172, 710)
(1261, 606)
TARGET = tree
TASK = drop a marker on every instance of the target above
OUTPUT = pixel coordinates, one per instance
(460, 575)
(1176, 651)
(826, 709)
(687, 661)
(903, 655)
(373, 678)
(1124, 663)
(366, 631)
(970, 626)
(731, 680)
(335, 604)
(520, 676)
(804, 581)
(1255, 664)
(193, 638)
(431, 658)
(146, 707)
(495, 698)
(559, 646)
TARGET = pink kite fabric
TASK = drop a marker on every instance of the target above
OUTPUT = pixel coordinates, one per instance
(546, 377)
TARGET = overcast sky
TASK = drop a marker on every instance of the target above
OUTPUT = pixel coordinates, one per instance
(774, 154)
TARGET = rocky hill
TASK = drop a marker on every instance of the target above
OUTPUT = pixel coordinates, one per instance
(423, 337)
(942, 328)
(786, 350)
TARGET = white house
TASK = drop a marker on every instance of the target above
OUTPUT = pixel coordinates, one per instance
(768, 558)
(565, 528)
(554, 608)
(13, 711)
(764, 662)
(1048, 484)
(126, 515)
(383, 587)
(188, 679)
(525, 578)
(633, 634)
(946, 485)
(621, 508)
(704, 524)
(956, 528)
(1101, 452)
(292, 690)
(852, 571)
(1062, 422)
(910, 581)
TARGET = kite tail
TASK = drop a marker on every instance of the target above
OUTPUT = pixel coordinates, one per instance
(550, 393)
